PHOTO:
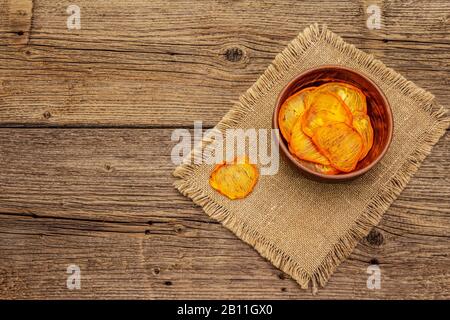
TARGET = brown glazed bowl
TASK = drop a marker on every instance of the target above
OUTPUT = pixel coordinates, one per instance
(378, 110)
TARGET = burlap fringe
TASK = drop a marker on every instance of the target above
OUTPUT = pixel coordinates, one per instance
(378, 205)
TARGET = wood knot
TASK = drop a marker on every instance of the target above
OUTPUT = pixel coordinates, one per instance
(234, 54)
(156, 270)
(22, 13)
(282, 276)
(147, 232)
(168, 283)
(20, 33)
(375, 238)
(47, 115)
(179, 228)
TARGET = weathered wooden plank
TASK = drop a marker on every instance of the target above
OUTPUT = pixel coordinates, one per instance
(103, 199)
(137, 63)
(124, 23)
(401, 20)
(81, 87)
(197, 260)
(125, 175)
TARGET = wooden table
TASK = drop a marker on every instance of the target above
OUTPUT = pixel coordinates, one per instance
(86, 118)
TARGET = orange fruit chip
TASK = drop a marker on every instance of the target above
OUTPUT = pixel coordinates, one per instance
(290, 111)
(340, 143)
(354, 99)
(324, 108)
(302, 146)
(326, 169)
(321, 168)
(362, 124)
(236, 179)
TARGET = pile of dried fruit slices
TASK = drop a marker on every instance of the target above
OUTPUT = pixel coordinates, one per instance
(328, 126)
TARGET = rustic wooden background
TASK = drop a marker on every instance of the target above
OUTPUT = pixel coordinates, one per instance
(85, 123)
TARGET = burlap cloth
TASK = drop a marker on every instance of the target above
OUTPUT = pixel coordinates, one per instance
(308, 228)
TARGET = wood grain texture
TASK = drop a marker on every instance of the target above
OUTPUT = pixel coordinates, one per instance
(92, 184)
(103, 199)
(201, 261)
(132, 61)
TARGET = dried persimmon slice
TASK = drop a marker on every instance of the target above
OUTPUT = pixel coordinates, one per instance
(340, 143)
(326, 169)
(321, 168)
(235, 179)
(291, 110)
(324, 108)
(362, 124)
(302, 146)
(353, 97)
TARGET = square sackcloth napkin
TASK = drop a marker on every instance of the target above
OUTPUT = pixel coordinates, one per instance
(308, 228)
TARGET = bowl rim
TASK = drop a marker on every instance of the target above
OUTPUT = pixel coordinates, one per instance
(343, 176)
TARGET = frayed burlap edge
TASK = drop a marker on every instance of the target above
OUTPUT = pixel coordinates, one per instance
(378, 204)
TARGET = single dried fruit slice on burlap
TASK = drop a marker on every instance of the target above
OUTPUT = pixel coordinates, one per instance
(235, 179)
(324, 108)
(362, 124)
(291, 110)
(340, 143)
(302, 146)
(353, 98)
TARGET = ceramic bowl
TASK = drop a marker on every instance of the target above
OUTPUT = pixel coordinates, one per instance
(378, 109)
